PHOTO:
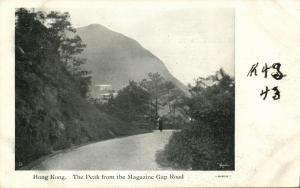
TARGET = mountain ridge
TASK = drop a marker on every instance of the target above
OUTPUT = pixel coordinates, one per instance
(115, 58)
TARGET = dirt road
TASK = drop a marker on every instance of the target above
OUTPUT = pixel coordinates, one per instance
(128, 153)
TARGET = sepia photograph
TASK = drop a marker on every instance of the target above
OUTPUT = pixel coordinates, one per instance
(148, 88)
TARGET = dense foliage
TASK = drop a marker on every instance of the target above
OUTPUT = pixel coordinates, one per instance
(164, 98)
(130, 105)
(208, 142)
(141, 103)
(52, 111)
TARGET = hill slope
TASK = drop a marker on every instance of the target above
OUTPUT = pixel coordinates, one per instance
(51, 114)
(114, 58)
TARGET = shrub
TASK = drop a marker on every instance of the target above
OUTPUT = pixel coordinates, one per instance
(208, 142)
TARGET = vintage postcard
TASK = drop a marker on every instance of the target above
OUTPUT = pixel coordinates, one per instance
(150, 93)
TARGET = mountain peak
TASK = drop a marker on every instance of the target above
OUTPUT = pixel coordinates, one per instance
(94, 27)
(115, 58)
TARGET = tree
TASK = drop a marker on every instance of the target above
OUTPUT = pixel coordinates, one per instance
(155, 85)
(69, 46)
(131, 103)
(164, 96)
(169, 86)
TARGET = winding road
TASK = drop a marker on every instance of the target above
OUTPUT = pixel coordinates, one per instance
(128, 153)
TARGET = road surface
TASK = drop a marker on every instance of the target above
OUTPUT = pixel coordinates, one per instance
(128, 153)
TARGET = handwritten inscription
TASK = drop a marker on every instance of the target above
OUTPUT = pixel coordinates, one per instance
(276, 73)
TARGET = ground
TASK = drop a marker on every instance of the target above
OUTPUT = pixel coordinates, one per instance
(128, 153)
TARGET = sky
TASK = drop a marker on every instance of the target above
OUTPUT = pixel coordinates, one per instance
(192, 42)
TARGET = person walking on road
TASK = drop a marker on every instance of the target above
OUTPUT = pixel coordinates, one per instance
(160, 124)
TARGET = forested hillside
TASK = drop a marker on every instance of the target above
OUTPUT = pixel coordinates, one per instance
(52, 110)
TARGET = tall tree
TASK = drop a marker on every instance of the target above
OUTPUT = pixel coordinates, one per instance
(155, 85)
(69, 46)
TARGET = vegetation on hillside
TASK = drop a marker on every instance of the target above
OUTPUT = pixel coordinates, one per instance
(207, 143)
(142, 103)
(52, 110)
